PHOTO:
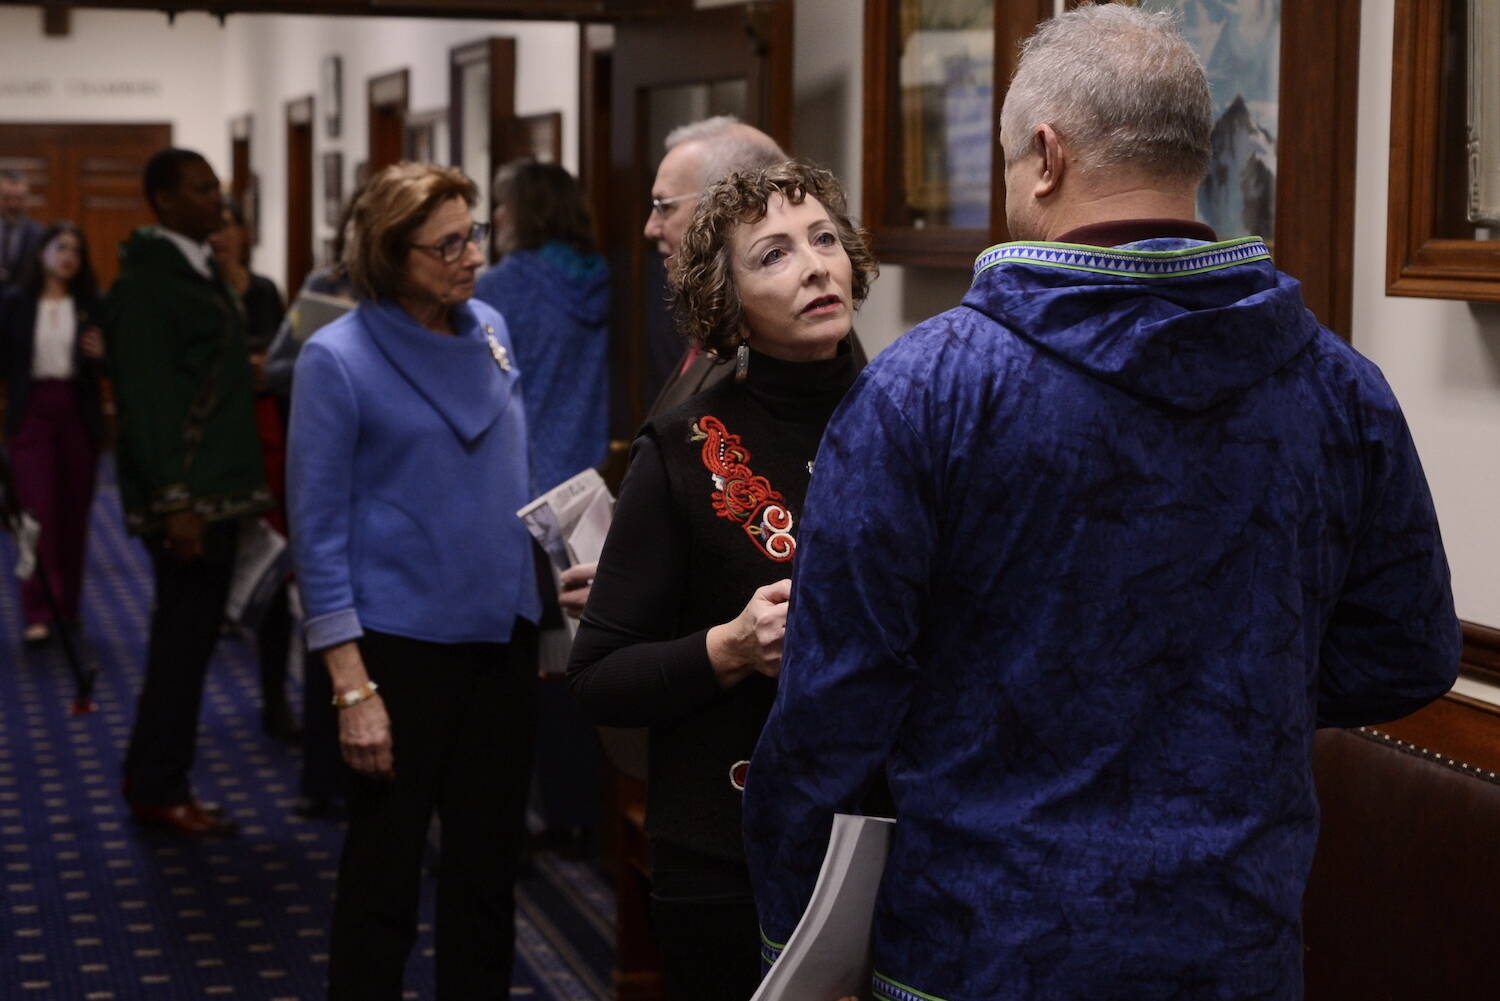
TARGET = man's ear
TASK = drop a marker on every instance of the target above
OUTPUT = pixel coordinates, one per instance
(1052, 162)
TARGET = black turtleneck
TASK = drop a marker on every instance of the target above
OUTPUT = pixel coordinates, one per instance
(674, 566)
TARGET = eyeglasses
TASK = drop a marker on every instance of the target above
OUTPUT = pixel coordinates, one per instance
(451, 248)
(663, 206)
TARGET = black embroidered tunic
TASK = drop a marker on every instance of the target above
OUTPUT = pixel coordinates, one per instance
(707, 514)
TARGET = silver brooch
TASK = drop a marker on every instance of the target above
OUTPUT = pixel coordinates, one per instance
(502, 356)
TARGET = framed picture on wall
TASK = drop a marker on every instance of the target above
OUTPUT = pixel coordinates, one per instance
(538, 136)
(250, 205)
(331, 94)
(333, 187)
(1484, 112)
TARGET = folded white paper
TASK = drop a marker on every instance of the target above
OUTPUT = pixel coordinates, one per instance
(828, 955)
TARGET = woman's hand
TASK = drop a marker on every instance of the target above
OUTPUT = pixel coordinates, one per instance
(91, 343)
(365, 739)
(577, 581)
(751, 641)
(365, 727)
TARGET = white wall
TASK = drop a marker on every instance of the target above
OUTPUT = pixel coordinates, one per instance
(274, 59)
(1442, 358)
(117, 66)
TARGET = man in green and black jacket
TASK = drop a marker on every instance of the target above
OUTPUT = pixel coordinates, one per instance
(189, 467)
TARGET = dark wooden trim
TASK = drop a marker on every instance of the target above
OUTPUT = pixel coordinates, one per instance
(57, 20)
(300, 119)
(1481, 654)
(595, 69)
(1417, 262)
(540, 10)
(386, 95)
(500, 54)
(1316, 155)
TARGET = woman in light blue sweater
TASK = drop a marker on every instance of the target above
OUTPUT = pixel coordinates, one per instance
(406, 462)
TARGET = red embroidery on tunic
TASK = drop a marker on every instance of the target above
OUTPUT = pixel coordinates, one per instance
(742, 497)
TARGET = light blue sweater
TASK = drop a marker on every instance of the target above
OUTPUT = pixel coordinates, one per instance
(406, 462)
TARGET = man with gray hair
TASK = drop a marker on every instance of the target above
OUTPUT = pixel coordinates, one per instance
(1084, 565)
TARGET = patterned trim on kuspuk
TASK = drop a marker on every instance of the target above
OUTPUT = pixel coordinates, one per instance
(886, 989)
(1128, 263)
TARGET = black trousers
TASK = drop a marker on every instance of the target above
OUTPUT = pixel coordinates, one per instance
(462, 727)
(704, 922)
(273, 642)
(184, 629)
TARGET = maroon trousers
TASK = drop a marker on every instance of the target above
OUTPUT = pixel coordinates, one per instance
(53, 461)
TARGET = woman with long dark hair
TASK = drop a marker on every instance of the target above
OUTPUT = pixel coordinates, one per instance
(51, 359)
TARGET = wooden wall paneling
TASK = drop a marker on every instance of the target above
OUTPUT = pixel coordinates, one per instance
(87, 173)
(1420, 261)
(299, 192)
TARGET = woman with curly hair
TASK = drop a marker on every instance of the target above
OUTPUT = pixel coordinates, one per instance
(683, 628)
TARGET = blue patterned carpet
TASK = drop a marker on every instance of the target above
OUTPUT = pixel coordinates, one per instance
(94, 908)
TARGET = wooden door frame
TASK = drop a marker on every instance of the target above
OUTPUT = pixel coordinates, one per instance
(300, 118)
(385, 93)
(768, 76)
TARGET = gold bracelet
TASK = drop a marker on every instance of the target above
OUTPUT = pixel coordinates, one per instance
(355, 696)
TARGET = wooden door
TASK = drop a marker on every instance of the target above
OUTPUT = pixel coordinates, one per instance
(667, 72)
(89, 174)
(299, 193)
(388, 98)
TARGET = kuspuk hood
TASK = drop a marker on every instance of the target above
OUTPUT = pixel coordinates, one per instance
(1177, 322)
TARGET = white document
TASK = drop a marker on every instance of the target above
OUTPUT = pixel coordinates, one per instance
(572, 519)
(570, 522)
(828, 955)
(261, 563)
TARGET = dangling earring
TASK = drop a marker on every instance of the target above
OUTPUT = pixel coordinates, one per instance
(741, 362)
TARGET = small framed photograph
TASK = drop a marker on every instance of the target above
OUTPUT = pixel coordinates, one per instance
(538, 136)
(331, 94)
(333, 187)
(1484, 112)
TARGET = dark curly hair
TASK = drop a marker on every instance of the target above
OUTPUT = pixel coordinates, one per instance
(704, 298)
